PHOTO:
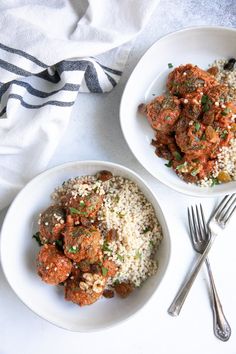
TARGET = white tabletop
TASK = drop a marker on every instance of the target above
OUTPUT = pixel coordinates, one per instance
(94, 133)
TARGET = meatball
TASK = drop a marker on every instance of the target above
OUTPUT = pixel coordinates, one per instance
(84, 288)
(187, 79)
(82, 243)
(51, 224)
(217, 93)
(83, 207)
(52, 266)
(192, 107)
(109, 267)
(212, 102)
(192, 139)
(165, 145)
(163, 112)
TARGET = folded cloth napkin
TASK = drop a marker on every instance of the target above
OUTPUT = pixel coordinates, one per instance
(50, 51)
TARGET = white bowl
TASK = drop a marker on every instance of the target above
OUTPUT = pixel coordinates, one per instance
(199, 45)
(18, 254)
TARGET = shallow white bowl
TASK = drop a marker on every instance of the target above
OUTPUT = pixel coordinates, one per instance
(199, 45)
(18, 254)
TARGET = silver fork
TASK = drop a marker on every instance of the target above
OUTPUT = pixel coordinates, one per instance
(200, 236)
(218, 221)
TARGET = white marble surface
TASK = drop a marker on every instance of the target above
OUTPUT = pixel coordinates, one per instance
(94, 133)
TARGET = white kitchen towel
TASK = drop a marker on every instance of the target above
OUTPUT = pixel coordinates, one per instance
(50, 51)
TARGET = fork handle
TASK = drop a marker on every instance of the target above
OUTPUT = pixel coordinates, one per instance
(221, 327)
(176, 305)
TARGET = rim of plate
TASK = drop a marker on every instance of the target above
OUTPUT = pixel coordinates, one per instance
(181, 190)
(53, 170)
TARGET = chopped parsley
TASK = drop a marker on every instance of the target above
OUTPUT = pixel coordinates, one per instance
(197, 126)
(214, 181)
(82, 203)
(146, 230)
(76, 211)
(170, 65)
(226, 111)
(36, 236)
(194, 172)
(104, 271)
(116, 282)
(167, 118)
(177, 155)
(203, 137)
(179, 167)
(224, 134)
(206, 103)
(169, 164)
(105, 247)
(73, 249)
(121, 258)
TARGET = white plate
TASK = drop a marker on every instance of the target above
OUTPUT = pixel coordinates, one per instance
(18, 254)
(199, 45)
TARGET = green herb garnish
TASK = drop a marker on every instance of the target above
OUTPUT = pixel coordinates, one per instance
(203, 137)
(197, 126)
(76, 211)
(224, 134)
(169, 164)
(104, 271)
(226, 111)
(137, 255)
(177, 155)
(36, 236)
(146, 230)
(105, 247)
(167, 118)
(73, 249)
(82, 203)
(206, 103)
(214, 181)
(121, 258)
(170, 65)
(179, 167)
(194, 172)
(116, 282)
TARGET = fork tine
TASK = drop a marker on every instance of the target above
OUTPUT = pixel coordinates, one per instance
(223, 205)
(206, 230)
(201, 236)
(228, 218)
(229, 211)
(220, 206)
(194, 224)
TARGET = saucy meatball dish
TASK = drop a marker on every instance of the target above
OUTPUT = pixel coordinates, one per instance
(195, 123)
(99, 237)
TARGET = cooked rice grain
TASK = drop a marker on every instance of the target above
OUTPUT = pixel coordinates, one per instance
(226, 159)
(125, 209)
